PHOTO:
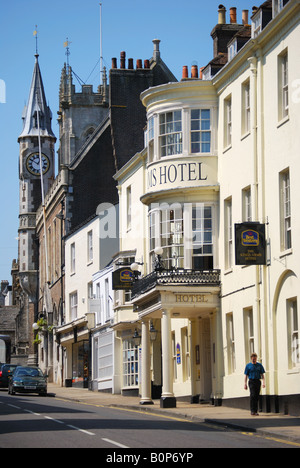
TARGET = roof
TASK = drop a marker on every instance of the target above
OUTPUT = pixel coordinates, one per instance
(37, 105)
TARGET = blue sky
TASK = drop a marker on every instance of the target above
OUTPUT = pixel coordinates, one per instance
(182, 26)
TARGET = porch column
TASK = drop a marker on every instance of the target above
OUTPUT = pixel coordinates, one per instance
(167, 398)
(146, 378)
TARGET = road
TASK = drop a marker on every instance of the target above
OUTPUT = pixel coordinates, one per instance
(29, 421)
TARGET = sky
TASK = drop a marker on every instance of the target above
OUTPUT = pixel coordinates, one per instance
(183, 27)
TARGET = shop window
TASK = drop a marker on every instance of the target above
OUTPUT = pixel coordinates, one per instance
(80, 364)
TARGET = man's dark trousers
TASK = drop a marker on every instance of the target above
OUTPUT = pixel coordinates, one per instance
(254, 386)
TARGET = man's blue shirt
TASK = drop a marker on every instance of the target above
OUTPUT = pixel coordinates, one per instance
(254, 371)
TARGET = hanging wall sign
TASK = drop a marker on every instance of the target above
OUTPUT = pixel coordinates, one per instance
(250, 244)
(123, 278)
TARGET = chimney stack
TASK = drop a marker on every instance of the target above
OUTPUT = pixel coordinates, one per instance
(233, 15)
(222, 15)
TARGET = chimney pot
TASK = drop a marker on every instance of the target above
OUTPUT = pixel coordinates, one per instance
(130, 64)
(195, 71)
(146, 64)
(232, 15)
(139, 64)
(122, 60)
(156, 51)
(222, 15)
(114, 63)
(185, 72)
(245, 17)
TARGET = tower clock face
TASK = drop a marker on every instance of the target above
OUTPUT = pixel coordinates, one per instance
(33, 164)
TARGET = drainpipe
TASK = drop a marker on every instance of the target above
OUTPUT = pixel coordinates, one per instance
(253, 68)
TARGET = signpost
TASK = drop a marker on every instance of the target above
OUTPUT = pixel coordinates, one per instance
(250, 244)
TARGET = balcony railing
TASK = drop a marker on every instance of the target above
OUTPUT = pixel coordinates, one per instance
(176, 277)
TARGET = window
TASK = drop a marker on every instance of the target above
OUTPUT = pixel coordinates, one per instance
(293, 333)
(228, 233)
(257, 24)
(151, 139)
(246, 108)
(200, 131)
(186, 368)
(230, 343)
(170, 131)
(130, 364)
(232, 50)
(285, 210)
(247, 204)
(202, 238)
(72, 258)
(73, 305)
(185, 233)
(283, 86)
(174, 356)
(277, 6)
(107, 300)
(90, 253)
(227, 122)
(249, 332)
(128, 202)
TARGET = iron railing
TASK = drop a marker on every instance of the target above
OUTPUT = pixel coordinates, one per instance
(178, 277)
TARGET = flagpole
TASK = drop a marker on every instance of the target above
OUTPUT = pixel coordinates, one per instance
(101, 52)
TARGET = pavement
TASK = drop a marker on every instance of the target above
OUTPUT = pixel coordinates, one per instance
(276, 426)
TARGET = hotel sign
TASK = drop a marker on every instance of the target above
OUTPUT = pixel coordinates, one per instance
(183, 173)
(250, 244)
(122, 278)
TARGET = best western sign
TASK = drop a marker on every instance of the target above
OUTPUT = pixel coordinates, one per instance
(250, 244)
(182, 173)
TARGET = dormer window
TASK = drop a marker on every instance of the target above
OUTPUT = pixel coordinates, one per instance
(232, 50)
(277, 6)
(257, 24)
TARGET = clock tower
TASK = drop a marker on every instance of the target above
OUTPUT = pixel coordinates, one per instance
(36, 177)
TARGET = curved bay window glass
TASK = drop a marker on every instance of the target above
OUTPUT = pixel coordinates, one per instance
(200, 131)
(170, 133)
(185, 233)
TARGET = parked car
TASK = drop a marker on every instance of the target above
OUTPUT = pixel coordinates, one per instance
(5, 371)
(27, 380)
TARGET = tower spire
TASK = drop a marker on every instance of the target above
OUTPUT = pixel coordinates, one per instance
(37, 103)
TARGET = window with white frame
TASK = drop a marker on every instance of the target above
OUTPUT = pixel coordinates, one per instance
(232, 50)
(227, 122)
(246, 108)
(247, 204)
(107, 300)
(285, 210)
(151, 139)
(257, 24)
(73, 305)
(277, 6)
(129, 207)
(90, 253)
(249, 332)
(184, 232)
(73, 259)
(200, 131)
(293, 333)
(130, 364)
(228, 233)
(230, 343)
(170, 133)
(283, 86)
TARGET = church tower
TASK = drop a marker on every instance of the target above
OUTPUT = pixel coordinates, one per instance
(36, 177)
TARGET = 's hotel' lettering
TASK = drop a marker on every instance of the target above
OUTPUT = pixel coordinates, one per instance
(173, 173)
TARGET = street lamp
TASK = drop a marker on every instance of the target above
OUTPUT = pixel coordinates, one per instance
(153, 332)
(158, 265)
(136, 338)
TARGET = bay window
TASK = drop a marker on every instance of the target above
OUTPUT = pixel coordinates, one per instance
(185, 234)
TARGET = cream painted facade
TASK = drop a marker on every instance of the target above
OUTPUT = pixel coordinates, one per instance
(219, 152)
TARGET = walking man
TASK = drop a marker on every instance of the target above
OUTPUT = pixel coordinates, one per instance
(254, 371)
